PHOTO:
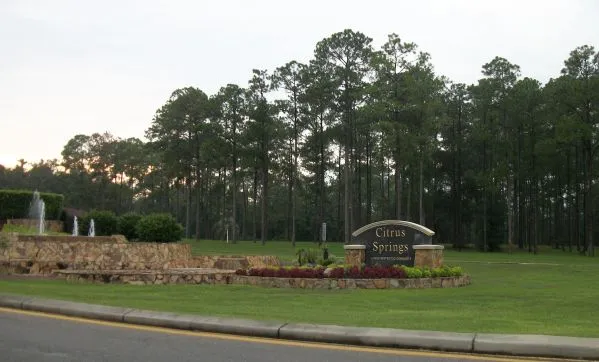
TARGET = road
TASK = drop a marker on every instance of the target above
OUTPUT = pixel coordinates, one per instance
(33, 337)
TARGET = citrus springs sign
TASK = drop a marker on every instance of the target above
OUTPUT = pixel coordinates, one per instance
(391, 242)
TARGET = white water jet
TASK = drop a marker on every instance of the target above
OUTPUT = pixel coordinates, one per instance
(92, 228)
(75, 226)
(37, 211)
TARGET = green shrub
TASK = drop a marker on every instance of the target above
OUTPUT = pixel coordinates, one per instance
(412, 272)
(159, 227)
(456, 271)
(127, 225)
(325, 262)
(105, 223)
(309, 256)
(14, 204)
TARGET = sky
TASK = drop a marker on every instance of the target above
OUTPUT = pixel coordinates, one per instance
(72, 67)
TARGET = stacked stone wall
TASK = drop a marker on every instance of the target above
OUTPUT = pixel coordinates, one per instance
(42, 254)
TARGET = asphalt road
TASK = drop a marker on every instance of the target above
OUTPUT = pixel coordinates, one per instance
(35, 337)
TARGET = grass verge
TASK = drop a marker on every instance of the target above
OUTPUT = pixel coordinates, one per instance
(551, 293)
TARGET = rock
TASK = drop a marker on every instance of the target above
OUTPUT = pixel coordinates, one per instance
(380, 283)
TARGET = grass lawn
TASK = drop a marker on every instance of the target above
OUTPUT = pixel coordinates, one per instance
(26, 230)
(550, 293)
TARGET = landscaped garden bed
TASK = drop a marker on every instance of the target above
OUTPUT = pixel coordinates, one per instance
(340, 277)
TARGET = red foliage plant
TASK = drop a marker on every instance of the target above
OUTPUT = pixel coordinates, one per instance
(354, 272)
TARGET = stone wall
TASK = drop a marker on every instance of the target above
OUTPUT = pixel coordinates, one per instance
(330, 283)
(217, 276)
(49, 225)
(144, 277)
(41, 257)
(428, 256)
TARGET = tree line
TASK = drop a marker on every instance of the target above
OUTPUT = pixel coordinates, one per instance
(357, 135)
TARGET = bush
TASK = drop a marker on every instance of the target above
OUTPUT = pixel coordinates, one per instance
(127, 225)
(105, 223)
(413, 272)
(309, 256)
(14, 204)
(159, 227)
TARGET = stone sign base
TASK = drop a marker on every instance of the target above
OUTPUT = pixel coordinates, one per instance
(354, 255)
(428, 256)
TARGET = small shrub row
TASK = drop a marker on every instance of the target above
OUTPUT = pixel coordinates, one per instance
(354, 272)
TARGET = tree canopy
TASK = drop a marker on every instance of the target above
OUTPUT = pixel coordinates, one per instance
(355, 135)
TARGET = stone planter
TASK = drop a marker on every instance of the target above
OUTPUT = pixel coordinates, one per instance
(331, 283)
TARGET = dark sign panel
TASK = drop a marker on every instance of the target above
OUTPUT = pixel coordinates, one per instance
(391, 242)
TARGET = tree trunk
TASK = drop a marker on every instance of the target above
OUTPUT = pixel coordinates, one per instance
(198, 207)
(368, 183)
(510, 215)
(421, 192)
(188, 208)
(588, 199)
(347, 209)
(289, 199)
(409, 199)
(246, 201)
(389, 209)
(234, 204)
(254, 206)
(264, 206)
(485, 219)
(397, 187)
(339, 178)
(294, 178)
(321, 179)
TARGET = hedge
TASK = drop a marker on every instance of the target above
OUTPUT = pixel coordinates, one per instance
(105, 223)
(127, 225)
(14, 204)
(159, 227)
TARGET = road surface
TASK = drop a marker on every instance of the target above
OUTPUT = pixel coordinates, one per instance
(39, 337)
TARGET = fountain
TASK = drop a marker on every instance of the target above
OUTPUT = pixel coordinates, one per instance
(75, 226)
(92, 228)
(37, 211)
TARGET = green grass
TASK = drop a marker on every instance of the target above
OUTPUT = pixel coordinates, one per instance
(285, 251)
(555, 295)
(282, 249)
(26, 230)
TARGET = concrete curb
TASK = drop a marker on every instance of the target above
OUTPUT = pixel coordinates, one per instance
(380, 337)
(519, 345)
(538, 345)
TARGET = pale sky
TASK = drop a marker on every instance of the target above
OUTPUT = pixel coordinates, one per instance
(83, 66)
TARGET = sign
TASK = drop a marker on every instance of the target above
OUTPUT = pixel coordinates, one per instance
(391, 242)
